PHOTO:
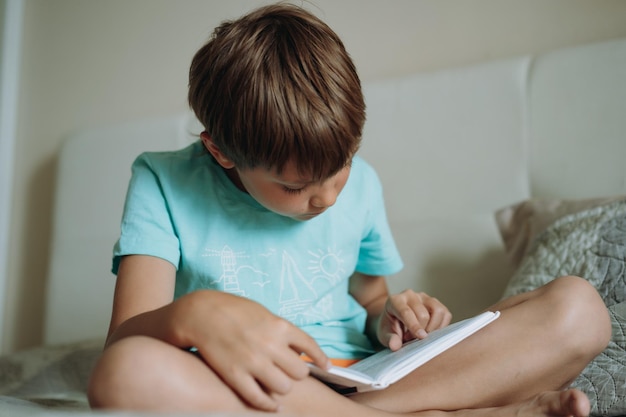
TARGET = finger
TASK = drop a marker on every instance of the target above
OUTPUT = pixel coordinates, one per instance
(439, 316)
(303, 343)
(415, 319)
(250, 391)
(293, 366)
(394, 342)
(391, 334)
(274, 380)
(447, 320)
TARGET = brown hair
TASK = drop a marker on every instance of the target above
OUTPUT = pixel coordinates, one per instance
(276, 85)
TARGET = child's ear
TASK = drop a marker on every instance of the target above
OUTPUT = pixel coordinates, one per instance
(215, 151)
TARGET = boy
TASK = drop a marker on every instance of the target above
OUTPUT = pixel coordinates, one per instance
(267, 241)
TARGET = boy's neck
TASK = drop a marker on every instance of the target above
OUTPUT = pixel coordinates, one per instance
(233, 175)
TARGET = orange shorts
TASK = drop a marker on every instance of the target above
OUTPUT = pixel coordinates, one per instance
(342, 363)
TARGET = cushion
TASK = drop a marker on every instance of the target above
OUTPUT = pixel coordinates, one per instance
(589, 241)
(520, 223)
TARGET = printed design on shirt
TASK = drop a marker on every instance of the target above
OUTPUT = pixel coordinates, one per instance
(299, 297)
(229, 278)
(327, 265)
(296, 293)
(271, 252)
(303, 295)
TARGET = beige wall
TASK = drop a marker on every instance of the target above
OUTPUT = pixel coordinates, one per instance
(87, 63)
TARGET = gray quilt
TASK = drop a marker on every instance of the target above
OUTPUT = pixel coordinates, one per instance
(589, 244)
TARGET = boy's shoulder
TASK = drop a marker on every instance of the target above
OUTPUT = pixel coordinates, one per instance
(191, 151)
(184, 159)
(363, 169)
(187, 165)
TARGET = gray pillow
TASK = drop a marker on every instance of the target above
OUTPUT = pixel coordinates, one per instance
(590, 244)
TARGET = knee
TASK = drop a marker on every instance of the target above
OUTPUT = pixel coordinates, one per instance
(116, 370)
(582, 314)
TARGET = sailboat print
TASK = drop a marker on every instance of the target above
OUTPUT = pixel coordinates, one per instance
(296, 294)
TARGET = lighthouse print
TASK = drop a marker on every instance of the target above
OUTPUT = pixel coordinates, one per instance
(228, 279)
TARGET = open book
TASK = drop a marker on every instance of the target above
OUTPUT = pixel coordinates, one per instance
(386, 367)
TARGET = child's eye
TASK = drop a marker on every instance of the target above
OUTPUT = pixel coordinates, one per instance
(293, 190)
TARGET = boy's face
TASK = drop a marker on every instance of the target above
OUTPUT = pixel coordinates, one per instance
(288, 194)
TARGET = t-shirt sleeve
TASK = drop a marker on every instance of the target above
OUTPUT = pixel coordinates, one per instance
(378, 254)
(146, 227)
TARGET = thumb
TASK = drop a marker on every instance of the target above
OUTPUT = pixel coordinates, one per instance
(394, 342)
(390, 334)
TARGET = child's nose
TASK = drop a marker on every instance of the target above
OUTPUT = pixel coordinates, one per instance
(324, 197)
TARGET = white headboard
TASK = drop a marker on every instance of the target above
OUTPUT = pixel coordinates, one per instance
(93, 173)
(451, 147)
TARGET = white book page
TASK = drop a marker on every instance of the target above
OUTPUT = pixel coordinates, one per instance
(386, 367)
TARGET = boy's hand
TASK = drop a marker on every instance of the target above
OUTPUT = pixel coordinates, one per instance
(255, 352)
(409, 315)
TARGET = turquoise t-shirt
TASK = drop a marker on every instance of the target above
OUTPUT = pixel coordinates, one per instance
(183, 208)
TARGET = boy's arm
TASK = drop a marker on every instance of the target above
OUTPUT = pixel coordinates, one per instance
(393, 320)
(144, 284)
(255, 352)
(371, 292)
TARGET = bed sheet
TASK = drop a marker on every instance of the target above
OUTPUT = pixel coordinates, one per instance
(51, 381)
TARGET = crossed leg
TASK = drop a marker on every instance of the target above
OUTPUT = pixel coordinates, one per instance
(517, 365)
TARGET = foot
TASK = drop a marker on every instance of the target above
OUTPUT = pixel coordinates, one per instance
(569, 403)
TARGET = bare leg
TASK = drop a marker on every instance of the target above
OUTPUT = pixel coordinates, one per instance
(541, 342)
(158, 377)
(141, 373)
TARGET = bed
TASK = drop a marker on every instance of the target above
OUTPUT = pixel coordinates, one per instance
(497, 177)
